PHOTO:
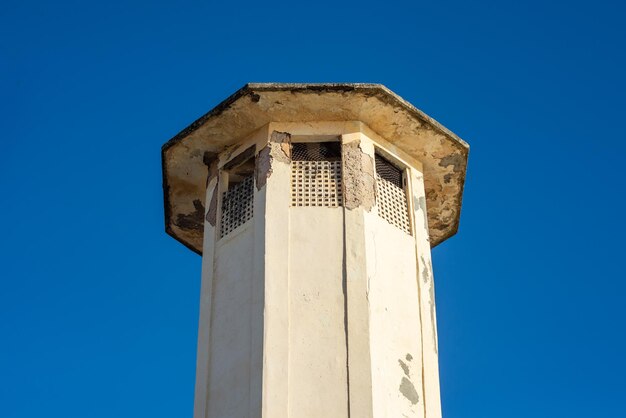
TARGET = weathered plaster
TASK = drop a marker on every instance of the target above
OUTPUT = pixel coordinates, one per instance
(428, 282)
(426, 291)
(359, 184)
(278, 149)
(194, 220)
(406, 128)
(211, 215)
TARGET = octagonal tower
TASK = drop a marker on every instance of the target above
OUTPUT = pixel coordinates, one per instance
(314, 207)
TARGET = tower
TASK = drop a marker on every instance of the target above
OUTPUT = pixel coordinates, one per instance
(315, 207)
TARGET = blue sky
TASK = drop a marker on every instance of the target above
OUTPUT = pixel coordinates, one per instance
(99, 307)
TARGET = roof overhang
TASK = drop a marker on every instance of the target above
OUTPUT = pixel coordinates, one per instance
(442, 153)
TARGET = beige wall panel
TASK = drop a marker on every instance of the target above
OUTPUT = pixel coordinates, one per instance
(229, 371)
(394, 321)
(317, 336)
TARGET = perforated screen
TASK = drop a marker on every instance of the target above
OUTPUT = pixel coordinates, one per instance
(237, 205)
(391, 196)
(316, 183)
(316, 174)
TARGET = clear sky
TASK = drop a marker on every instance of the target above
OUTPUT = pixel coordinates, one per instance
(99, 307)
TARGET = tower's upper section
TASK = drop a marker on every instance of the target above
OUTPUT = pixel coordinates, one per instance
(185, 157)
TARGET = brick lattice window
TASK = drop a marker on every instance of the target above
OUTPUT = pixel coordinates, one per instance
(316, 174)
(237, 205)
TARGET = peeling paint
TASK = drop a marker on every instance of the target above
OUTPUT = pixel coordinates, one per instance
(420, 204)
(211, 215)
(278, 149)
(457, 161)
(283, 139)
(359, 182)
(407, 389)
(443, 154)
(405, 368)
(193, 220)
(427, 278)
(263, 169)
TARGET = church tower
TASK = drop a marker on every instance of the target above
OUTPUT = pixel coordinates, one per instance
(315, 208)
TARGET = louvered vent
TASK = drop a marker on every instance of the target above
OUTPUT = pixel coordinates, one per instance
(391, 196)
(316, 174)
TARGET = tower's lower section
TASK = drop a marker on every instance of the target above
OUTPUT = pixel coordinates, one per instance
(323, 308)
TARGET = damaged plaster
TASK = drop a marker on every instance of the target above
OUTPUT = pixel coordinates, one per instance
(193, 220)
(359, 183)
(211, 215)
(278, 149)
(211, 160)
(442, 153)
(457, 161)
(420, 204)
(407, 388)
(427, 278)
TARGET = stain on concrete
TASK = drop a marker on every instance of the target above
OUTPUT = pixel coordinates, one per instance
(405, 368)
(211, 215)
(359, 182)
(407, 389)
(278, 149)
(457, 161)
(254, 97)
(251, 107)
(193, 220)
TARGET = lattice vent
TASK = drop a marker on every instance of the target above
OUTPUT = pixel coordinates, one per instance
(316, 183)
(391, 196)
(237, 205)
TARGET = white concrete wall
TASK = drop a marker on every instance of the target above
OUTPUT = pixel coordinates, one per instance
(229, 377)
(318, 383)
(230, 335)
(318, 312)
(394, 321)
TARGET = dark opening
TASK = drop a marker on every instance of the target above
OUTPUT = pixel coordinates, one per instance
(388, 171)
(316, 151)
(238, 199)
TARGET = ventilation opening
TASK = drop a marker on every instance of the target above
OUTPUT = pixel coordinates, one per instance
(391, 195)
(316, 174)
(238, 199)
